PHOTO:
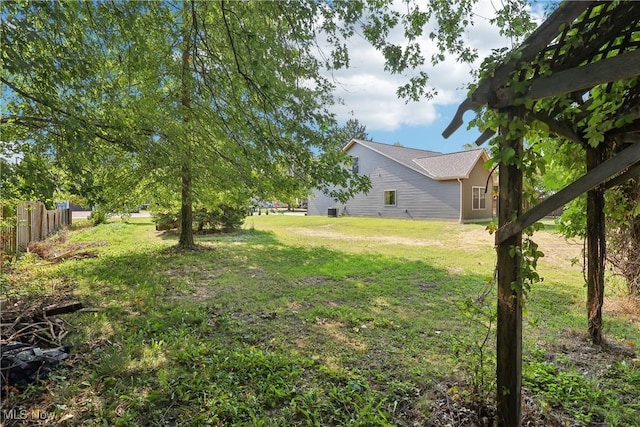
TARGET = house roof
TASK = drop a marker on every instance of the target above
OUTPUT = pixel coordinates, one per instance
(433, 164)
(450, 166)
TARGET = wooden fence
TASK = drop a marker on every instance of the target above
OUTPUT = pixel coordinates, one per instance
(32, 223)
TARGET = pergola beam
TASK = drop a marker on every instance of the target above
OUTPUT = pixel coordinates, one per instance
(620, 67)
(628, 157)
(484, 94)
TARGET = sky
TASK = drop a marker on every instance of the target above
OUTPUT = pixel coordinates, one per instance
(369, 93)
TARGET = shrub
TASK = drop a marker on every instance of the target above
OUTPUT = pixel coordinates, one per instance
(166, 220)
(98, 216)
(223, 218)
(219, 219)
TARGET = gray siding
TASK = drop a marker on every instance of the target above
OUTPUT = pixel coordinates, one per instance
(319, 203)
(417, 196)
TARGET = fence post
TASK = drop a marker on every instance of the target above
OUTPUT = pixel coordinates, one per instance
(41, 211)
(68, 216)
(22, 227)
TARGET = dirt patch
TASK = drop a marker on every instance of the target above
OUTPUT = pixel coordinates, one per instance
(337, 331)
(450, 407)
(315, 280)
(577, 349)
(558, 250)
(424, 286)
(389, 240)
(55, 249)
(625, 306)
(200, 247)
(253, 317)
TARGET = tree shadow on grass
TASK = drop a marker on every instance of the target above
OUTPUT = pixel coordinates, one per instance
(382, 324)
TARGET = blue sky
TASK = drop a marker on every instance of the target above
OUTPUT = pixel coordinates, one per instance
(368, 94)
(429, 136)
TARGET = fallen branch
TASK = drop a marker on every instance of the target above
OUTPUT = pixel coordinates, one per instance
(34, 324)
(56, 309)
(73, 255)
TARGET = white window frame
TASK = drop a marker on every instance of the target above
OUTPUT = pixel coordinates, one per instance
(395, 197)
(355, 166)
(482, 199)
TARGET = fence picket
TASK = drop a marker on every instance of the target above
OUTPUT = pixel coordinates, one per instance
(33, 222)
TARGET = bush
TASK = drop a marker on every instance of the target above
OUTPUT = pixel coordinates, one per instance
(224, 218)
(220, 219)
(97, 217)
(166, 220)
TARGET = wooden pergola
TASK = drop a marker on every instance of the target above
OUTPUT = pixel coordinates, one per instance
(583, 52)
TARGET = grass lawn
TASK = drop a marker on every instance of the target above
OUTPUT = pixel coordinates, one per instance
(319, 321)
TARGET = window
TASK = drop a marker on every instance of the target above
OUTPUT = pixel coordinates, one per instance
(355, 167)
(479, 201)
(390, 198)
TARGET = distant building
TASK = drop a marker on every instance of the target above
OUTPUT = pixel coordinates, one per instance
(413, 183)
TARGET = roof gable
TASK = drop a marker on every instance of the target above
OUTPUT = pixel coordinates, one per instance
(451, 166)
(433, 164)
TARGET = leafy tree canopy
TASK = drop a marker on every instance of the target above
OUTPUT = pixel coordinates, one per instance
(204, 99)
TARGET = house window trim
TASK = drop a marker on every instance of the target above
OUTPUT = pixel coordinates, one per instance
(355, 166)
(395, 198)
(482, 199)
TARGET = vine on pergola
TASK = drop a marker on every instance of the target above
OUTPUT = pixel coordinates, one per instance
(576, 79)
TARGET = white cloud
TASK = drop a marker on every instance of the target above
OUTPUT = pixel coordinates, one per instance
(369, 92)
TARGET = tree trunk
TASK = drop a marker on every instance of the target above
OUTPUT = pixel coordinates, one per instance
(186, 210)
(509, 326)
(186, 194)
(596, 250)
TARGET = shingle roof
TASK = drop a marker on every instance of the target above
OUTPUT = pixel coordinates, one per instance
(433, 164)
(450, 166)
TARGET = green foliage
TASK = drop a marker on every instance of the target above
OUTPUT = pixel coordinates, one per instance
(553, 158)
(353, 129)
(166, 220)
(142, 99)
(98, 216)
(530, 254)
(475, 350)
(31, 178)
(219, 218)
(135, 99)
(222, 218)
(583, 396)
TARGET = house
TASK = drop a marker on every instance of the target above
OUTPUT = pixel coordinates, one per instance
(413, 183)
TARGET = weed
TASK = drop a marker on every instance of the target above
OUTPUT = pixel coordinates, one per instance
(475, 350)
(612, 398)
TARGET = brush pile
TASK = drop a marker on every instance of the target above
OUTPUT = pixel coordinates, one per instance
(31, 341)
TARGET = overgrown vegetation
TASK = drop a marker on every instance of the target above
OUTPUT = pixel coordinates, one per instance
(205, 220)
(316, 321)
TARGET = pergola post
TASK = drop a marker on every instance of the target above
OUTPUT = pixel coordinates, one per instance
(596, 249)
(509, 325)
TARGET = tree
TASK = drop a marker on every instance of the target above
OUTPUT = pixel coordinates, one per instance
(32, 177)
(213, 95)
(353, 130)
